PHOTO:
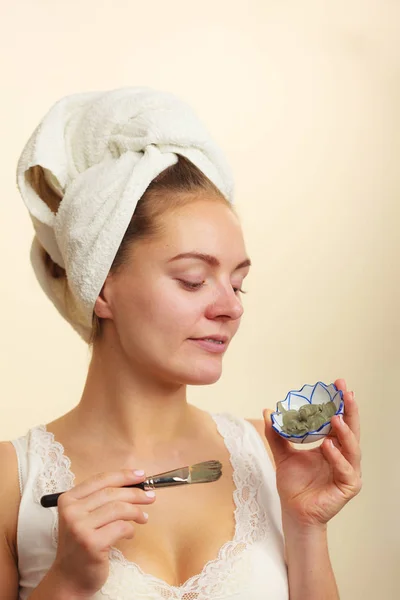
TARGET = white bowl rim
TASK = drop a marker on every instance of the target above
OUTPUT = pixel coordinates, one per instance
(277, 427)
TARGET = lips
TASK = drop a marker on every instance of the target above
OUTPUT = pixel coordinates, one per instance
(209, 345)
(217, 338)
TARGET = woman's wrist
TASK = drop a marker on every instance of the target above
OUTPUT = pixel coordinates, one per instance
(52, 588)
(309, 567)
(303, 530)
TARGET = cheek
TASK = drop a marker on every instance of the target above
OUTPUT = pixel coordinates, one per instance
(174, 307)
(134, 308)
(162, 307)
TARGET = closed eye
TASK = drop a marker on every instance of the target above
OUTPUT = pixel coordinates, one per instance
(195, 286)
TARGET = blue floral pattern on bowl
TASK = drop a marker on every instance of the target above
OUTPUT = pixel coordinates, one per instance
(313, 394)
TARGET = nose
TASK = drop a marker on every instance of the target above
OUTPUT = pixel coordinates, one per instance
(225, 304)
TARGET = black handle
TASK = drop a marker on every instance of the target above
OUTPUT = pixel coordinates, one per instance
(51, 499)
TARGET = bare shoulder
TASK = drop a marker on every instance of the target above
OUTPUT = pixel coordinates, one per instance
(260, 427)
(9, 507)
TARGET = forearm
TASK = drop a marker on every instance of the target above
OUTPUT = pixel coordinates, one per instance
(309, 567)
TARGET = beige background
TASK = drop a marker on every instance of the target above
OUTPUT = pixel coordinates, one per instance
(304, 99)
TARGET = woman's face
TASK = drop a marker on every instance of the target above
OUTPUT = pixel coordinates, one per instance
(158, 303)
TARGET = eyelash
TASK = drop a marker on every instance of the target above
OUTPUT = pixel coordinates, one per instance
(196, 286)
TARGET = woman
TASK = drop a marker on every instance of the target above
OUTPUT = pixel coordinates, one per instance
(176, 277)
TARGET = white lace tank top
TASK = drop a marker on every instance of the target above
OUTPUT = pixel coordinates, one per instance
(249, 567)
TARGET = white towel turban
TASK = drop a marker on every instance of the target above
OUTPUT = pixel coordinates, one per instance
(98, 152)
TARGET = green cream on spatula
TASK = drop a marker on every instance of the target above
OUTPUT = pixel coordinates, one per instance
(309, 417)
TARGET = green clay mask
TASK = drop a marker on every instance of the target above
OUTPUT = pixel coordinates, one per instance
(309, 417)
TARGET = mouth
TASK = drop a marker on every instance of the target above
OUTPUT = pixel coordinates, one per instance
(214, 344)
(217, 339)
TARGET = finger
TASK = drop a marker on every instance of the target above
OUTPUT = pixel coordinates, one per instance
(109, 535)
(341, 384)
(351, 414)
(280, 447)
(102, 480)
(115, 511)
(332, 436)
(348, 442)
(344, 476)
(113, 494)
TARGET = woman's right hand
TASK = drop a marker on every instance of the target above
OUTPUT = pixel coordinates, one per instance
(92, 517)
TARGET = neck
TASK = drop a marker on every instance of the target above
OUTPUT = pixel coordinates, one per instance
(134, 409)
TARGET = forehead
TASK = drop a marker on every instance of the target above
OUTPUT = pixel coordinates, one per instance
(209, 227)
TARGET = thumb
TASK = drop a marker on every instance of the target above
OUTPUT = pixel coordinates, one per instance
(280, 447)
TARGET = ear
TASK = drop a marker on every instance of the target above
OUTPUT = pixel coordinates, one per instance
(102, 306)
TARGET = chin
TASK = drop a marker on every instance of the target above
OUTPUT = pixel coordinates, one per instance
(189, 370)
(206, 380)
(205, 374)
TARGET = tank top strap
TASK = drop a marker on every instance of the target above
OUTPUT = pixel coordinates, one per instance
(21, 448)
(243, 440)
(255, 469)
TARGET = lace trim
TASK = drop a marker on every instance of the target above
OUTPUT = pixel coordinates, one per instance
(251, 521)
(55, 475)
(16, 444)
(220, 578)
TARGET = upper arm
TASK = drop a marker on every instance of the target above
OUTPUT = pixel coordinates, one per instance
(9, 506)
(260, 427)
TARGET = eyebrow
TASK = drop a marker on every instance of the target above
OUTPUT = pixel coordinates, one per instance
(209, 259)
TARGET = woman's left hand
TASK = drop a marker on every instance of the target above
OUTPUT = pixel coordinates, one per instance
(315, 484)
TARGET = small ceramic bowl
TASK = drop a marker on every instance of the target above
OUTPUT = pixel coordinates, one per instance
(313, 394)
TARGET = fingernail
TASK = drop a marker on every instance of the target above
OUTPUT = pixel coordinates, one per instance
(146, 516)
(332, 445)
(150, 494)
(341, 422)
(138, 473)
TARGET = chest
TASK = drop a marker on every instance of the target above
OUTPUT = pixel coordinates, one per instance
(187, 526)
